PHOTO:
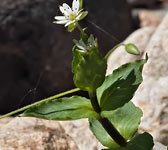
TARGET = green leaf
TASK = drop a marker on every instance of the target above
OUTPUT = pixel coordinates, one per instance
(88, 66)
(125, 119)
(119, 87)
(132, 49)
(140, 142)
(68, 108)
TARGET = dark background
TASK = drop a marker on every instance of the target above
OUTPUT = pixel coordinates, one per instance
(35, 54)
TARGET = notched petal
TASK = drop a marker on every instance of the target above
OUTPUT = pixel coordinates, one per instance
(75, 6)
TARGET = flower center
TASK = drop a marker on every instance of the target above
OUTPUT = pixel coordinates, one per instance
(72, 17)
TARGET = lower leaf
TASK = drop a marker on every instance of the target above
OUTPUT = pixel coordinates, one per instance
(125, 119)
(68, 108)
(140, 142)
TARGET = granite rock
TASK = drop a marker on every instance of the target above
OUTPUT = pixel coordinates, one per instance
(34, 134)
(152, 95)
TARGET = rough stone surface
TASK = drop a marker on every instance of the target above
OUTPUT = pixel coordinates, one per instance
(37, 134)
(151, 18)
(35, 54)
(159, 146)
(152, 95)
(140, 38)
(81, 134)
(34, 134)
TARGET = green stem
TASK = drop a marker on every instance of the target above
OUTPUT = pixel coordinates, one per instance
(94, 102)
(39, 102)
(113, 49)
(80, 29)
(107, 125)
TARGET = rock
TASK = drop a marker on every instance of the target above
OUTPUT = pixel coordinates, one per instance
(151, 18)
(152, 95)
(34, 134)
(159, 146)
(81, 134)
(140, 38)
(4, 121)
(38, 134)
(35, 54)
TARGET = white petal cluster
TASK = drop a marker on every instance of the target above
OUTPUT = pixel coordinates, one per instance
(71, 15)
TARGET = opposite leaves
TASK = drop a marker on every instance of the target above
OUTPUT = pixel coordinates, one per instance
(68, 108)
(119, 87)
(125, 119)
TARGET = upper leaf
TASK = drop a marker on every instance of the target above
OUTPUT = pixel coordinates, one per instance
(119, 87)
(68, 108)
(88, 66)
(140, 142)
(125, 119)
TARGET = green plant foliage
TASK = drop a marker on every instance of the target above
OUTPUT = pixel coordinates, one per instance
(67, 108)
(119, 87)
(140, 142)
(88, 66)
(125, 119)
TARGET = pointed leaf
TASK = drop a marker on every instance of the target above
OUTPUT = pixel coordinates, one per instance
(68, 108)
(119, 87)
(140, 142)
(125, 119)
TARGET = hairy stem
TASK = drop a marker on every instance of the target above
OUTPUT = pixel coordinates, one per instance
(107, 125)
(39, 102)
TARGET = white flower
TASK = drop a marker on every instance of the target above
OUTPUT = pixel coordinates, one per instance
(71, 16)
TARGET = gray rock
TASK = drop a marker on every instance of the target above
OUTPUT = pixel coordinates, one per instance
(140, 38)
(35, 54)
(34, 134)
(38, 134)
(152, 95)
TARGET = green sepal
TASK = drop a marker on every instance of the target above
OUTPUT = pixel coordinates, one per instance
(119, 87)
(72, 27)
(88, 66)
(125, 119)
(84, 14)
(140, 142)
(132, 49)
(80, 4)
(67, 108)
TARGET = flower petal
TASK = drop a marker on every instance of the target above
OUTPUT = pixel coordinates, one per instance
(78, 17)
(60, 18)
(75, 6)
(69, 22)
(67, 8)
(61, 22)
(64, 12)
